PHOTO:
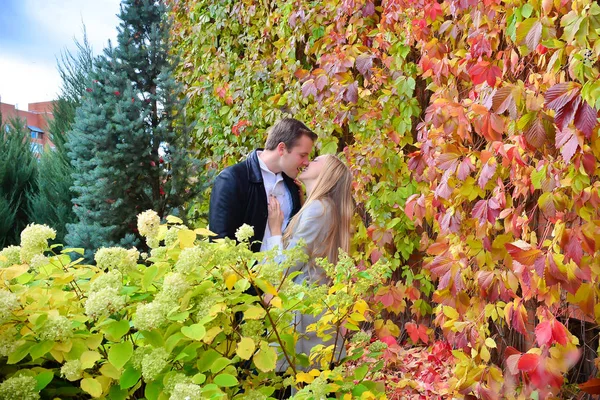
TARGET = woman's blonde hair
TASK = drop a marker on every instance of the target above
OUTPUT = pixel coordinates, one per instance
(333, 186)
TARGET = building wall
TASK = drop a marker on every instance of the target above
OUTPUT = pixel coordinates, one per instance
(37, 114)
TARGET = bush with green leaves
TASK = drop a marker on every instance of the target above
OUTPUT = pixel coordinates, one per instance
(179, 322)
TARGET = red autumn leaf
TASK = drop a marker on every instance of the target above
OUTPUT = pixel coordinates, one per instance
(536, 134)
(589, 163)
(512, 363)
(465, 168)
(448, 161)
(586, 119)
(301, 74)
(364, 63)
(592, 386)
(559, 332)
(543, 333)
(484, 71)
(560, 94)
(515, 316)
(417, 332)
(88, 89)
(351, 94)
(487, 172)
(117, 93)
(567, 142)
(528, 362)
(486, 210)
(309, 88)
(503, 100)
(572, 246)
(566, 114)
(522, 252)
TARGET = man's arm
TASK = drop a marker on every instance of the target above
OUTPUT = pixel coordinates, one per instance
(225, 208)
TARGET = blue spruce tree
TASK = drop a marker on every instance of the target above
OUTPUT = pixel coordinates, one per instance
(130, 138)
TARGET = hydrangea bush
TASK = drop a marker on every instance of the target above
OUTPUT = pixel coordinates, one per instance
(183, 322)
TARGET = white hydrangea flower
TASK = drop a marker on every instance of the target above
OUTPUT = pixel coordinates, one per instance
(189, 260)
(8, 340)
(186, 391)
(172, 380)
(56, 328)
(112, 279)
(19, 388)
(104, 302)
(153, 243)
(150, 316)
(160, 252)
(153, 363)
(148, 223)
(34, 240)
(174, 287)
(38, 261)
(109, 258)
(138, 356)
(71, 370)
(244, 233)
(8, 303)
(10, 256)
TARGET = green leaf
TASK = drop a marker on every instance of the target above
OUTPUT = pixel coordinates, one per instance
(537, 177)
(149, 276)
(361, 372)
(115, 330)
(329, 147)
(266, 358)
(195, 332)
(153, 390)
(526, 10)
(245, 348)
(41, 349)
(19, 353)
(116, 393)
(153, 338)
(91, 386)
(120, 353)
(199, 378)
(129, 378)
(219, 364)
(225, 380)
(206, 359)
(43, 379)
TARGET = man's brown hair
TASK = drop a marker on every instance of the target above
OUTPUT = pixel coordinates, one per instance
(288, 131)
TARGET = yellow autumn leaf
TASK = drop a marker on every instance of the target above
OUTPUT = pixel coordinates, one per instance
(204, 232)
(484, 354)
(92, 386)
(231, 280)
(276, 302)
(186, 238)
(450, 312)
(303, 377)
(245, 348)
(254, 312)
(491, 343)
(89, 358)
(174, 220)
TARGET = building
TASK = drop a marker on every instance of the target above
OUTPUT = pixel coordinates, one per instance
(36, 120)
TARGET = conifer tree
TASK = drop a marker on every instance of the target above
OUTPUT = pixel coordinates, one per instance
(51, 204)
(17, 178)
(129, 141)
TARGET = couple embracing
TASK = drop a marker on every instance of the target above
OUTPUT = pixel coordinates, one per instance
(262, 191)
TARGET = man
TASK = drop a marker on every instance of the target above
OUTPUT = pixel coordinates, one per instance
(240, 193)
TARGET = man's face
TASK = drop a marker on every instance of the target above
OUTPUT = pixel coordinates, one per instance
(294, 159)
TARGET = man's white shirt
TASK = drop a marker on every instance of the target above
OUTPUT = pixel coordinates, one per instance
(275, 185)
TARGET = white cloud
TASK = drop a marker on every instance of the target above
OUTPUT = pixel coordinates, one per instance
(28, 71)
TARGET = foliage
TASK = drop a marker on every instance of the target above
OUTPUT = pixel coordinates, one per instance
(246, 65)
(502, 172)
(129, 143)
(506, 161)
(51, 203)
(177, 322)
(18, 171)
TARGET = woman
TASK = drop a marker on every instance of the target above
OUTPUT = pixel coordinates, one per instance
(324, 225)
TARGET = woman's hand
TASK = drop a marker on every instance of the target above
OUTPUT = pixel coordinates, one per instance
(275, 218)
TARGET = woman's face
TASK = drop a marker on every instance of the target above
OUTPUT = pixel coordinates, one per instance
(313, 170)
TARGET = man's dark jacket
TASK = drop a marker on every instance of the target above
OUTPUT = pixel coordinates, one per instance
(238, 197)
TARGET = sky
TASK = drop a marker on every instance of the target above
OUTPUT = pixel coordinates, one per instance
(33, 33)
